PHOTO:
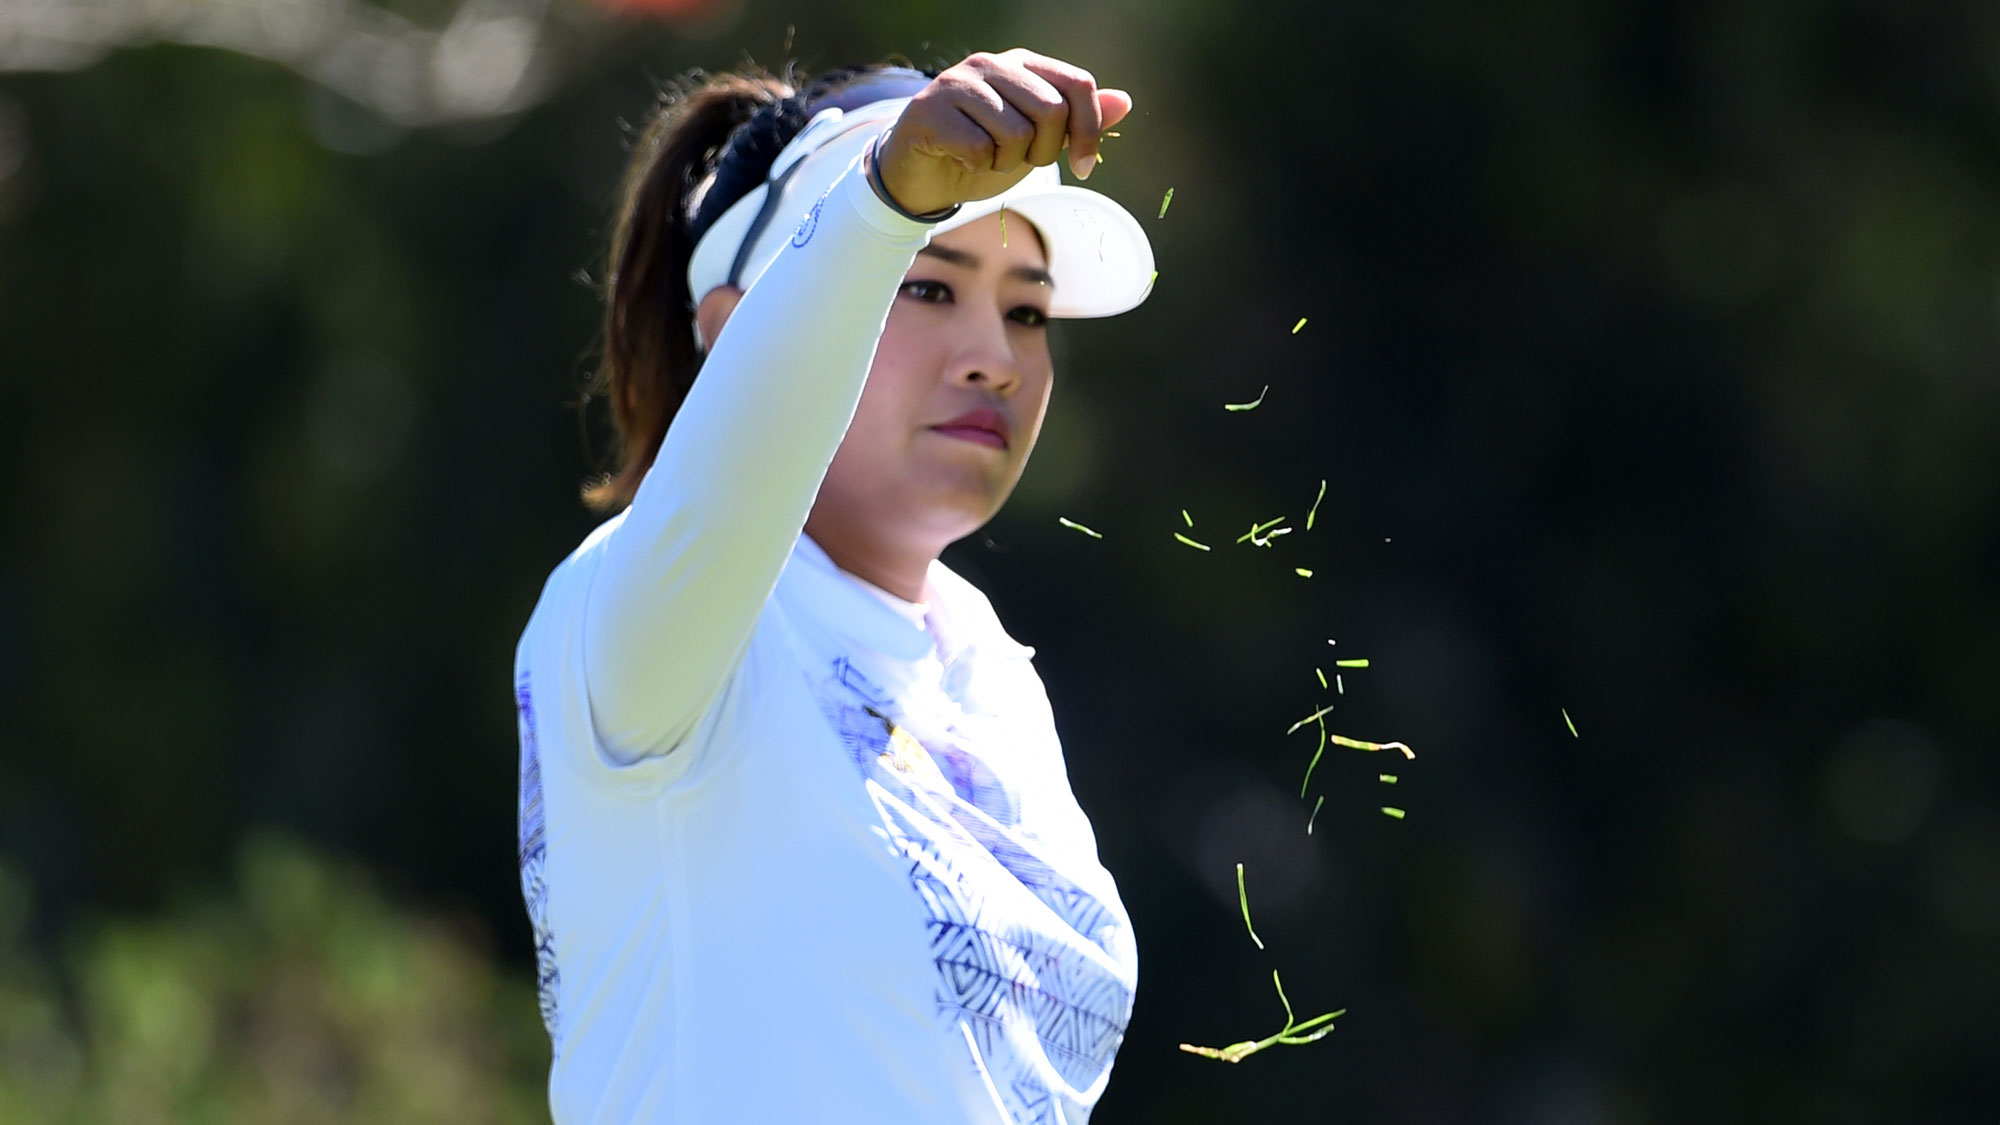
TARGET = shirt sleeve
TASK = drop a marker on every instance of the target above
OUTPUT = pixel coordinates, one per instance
(681, 583)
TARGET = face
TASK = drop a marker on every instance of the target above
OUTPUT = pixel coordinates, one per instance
(955, 400)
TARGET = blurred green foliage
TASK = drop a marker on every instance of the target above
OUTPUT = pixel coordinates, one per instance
(297, 995)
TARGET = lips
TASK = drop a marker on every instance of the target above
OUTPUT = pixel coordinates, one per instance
(985, 427)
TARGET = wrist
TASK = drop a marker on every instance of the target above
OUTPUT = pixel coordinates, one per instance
(881, 189)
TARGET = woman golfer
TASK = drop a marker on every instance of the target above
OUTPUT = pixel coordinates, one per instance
(797, 839)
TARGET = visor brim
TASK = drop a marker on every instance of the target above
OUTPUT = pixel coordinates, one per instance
(1099, 256)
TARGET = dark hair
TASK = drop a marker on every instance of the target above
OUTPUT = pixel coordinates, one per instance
(732, 125)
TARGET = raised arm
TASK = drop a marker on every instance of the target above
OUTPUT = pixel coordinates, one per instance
(681, 582)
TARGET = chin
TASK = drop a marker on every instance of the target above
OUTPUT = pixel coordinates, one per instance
(954, 524)
(957, 514)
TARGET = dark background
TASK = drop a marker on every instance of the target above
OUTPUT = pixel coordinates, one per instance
(1652, 363)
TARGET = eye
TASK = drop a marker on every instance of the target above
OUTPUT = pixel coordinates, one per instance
(1029, 316)
(929, 292)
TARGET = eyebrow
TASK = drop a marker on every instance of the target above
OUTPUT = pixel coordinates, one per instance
(1035, 274)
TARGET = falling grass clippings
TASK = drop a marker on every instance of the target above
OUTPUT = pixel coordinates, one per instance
(1567, 721)
(1316, 716)
(1190, 542)
(1243, 898)
(1292, 1035)
(1257, 529)
(1371, 747)
(1075, 526)
(1165, 202)
(1315, 508)
(1315, 814)
(1251, 405)
(1388, 810)
(1319, 751)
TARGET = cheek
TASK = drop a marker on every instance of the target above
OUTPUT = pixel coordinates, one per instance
(897, 384)
(1037, 387)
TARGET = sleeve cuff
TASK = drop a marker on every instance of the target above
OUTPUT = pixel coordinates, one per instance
(875, 215)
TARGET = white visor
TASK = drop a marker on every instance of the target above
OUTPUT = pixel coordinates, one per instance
(1099, 256)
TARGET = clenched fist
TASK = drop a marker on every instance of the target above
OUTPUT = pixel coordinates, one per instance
(980, 127)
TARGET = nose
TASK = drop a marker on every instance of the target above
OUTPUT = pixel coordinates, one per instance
(984, 358)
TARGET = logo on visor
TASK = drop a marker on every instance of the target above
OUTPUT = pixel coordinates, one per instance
(810, 223)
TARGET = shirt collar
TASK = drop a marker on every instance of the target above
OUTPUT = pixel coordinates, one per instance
(855, 610)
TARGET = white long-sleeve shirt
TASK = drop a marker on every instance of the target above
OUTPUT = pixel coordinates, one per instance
(795, 850)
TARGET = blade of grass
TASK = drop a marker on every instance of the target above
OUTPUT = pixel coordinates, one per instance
(1243, 897)
(1302, 1040)
(1322, 678)
(1570, 723)
(1252, 404)
(1165, 202)
(1358, 744)
(1315, 507)
(1299, 325)
(1302, 572)
(1190, 542)
(1315, 813)
(1312, 718)
(1075, 526)
(1395, 812)
(1318, 751)
(1350, 664)
(1288, 1036)
(1187, 519)
(1257, 529)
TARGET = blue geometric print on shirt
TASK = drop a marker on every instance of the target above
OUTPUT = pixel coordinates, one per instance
(534, 855)
(1046, 1015)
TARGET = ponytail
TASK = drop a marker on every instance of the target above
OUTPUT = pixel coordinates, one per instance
(730, 127)
(650, 359)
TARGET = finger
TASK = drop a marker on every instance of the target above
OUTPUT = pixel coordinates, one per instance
(954, 136)
(1086, 122)
(1042, 105)
(1012, 132)
(1114, 105)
